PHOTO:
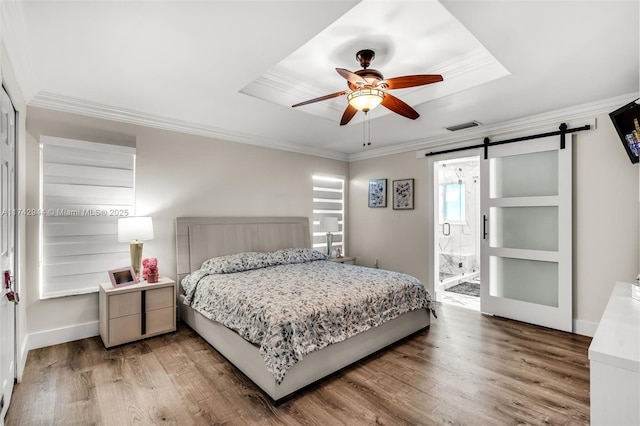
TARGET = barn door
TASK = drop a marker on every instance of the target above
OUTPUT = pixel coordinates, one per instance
(526, 232)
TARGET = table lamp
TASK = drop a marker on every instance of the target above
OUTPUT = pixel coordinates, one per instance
(329, 225)
(134, 230)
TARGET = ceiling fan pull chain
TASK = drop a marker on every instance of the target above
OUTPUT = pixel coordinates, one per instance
(366, 126)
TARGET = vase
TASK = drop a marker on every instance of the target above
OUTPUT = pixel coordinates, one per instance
(152, 278)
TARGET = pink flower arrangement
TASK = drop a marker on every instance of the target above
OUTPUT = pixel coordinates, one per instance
(150, 267)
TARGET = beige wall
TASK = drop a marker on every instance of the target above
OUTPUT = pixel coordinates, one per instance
(185, 175)
(176, 175)
(605, 218)
(397, 238)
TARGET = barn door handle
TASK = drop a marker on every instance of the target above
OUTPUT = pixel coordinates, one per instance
(448, 229)
(484, 226)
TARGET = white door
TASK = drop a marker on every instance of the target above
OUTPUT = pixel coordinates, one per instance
(526, 230)
(7, 241)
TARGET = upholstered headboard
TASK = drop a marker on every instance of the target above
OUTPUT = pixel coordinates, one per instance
(201, 238)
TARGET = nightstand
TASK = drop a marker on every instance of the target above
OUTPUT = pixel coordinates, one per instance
(346, 260)
(136, 311)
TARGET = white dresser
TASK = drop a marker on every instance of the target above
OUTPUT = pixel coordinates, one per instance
(614, 357)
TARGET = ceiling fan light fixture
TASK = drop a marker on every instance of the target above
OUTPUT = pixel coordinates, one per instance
(368, 89)
(365, 99)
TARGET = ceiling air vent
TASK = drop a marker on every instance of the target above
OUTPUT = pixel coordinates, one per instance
(473, 123)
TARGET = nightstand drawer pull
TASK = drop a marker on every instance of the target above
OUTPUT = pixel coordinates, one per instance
(143, 309)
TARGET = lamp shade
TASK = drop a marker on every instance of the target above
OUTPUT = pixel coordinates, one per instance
(138, 228)
(329, 224)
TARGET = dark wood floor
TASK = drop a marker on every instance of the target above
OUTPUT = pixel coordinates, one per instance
(468, 369)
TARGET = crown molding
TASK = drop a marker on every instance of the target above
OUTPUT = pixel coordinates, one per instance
(284, 81)
(585, 111)
(465, 64)
(68, 104)
(93, 109)
(273, 84)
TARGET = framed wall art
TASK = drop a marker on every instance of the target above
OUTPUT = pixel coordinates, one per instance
(378, 193)
(403, 194)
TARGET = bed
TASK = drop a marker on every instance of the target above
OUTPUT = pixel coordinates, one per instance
(202, 238)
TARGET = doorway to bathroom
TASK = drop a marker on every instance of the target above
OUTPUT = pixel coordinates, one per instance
(457, 231)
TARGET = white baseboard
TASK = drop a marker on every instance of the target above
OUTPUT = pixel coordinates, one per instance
(56, 336)
(62, 335)
(22, 360)
(584, 328)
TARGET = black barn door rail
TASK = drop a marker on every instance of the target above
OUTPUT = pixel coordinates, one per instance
(487, 143)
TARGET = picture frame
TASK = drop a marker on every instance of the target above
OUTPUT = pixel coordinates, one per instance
(378, 193)
(122, 276)
(403, 194)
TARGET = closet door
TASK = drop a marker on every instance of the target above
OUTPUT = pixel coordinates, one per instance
(7, 249)
(526, 232)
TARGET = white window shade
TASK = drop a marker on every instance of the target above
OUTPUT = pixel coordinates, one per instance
(328, 204)
(86, 187)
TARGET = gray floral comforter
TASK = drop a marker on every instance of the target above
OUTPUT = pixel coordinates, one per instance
(293, 302)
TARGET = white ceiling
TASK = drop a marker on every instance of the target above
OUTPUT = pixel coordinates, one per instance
(231, 69)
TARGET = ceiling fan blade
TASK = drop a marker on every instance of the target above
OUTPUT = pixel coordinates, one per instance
(411, 81)
(399, 107)
(348, 115)
(352, 77)
(321, 98)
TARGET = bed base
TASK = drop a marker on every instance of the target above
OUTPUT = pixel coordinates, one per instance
(313, 367)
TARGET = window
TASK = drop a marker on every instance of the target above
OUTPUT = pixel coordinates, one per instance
(85, 187)
(328, 200)
(452, 205)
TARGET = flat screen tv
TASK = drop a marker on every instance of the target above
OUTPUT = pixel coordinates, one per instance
(626, 121)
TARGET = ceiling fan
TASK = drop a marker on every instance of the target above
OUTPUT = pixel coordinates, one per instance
(368, 88)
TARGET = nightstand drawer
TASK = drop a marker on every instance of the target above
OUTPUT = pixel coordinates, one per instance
(159, 298)
(125, 329)
(121, 305)
(159, 320)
